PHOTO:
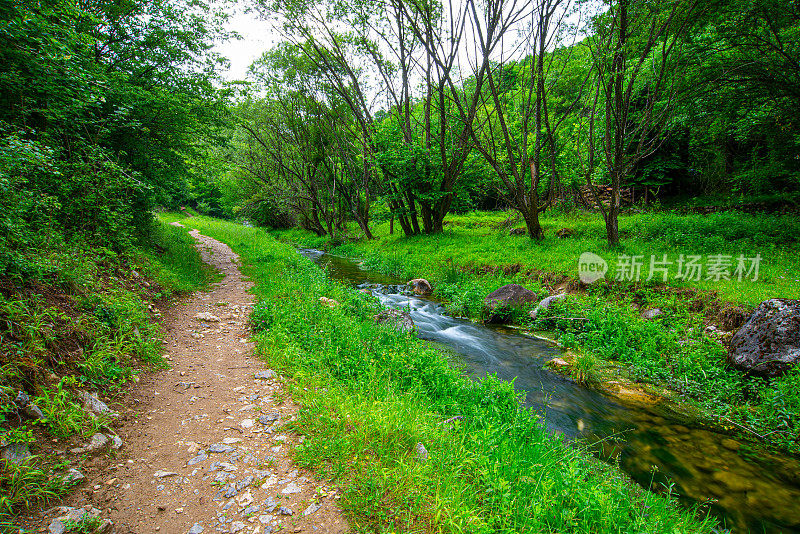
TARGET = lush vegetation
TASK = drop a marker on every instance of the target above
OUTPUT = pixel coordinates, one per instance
(371, 393)
(396, 114)
(89, 326)
(377, 129)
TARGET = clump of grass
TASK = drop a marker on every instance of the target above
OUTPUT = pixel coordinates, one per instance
(174, 261)
(63, 416)
(25, 483)
(585, 370)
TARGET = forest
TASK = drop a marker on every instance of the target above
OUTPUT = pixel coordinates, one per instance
(481, 149)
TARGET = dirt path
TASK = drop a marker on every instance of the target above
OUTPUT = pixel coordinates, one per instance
(205, 453)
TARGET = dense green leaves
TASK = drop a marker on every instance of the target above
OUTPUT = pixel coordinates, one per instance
(101, 104)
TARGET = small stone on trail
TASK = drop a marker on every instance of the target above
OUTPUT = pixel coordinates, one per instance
(237, 526)
(231, 441)
(269, 374)
(220, 448)
(422, 452)
(311, 509)
(97, 443)
(197, 528)
(291, 488)
(247, 423)
(56, 527)
(205, 316)
(268, 418)
(250, 510)
(73, 476)
(270, 504)
(285, 511)
(116, 442)
(199, 458)
(161, 474)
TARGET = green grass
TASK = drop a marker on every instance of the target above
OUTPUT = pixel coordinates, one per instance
(481, 239)
(475, 256)
(370, 394)
(172, 259)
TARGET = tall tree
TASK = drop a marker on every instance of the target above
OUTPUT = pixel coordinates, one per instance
(637, 57)
(517, 133)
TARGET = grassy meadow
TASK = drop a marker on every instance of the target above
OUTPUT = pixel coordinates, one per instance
(370, 394)
(481, 239)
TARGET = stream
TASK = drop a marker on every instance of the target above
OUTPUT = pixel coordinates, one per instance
(748, 493)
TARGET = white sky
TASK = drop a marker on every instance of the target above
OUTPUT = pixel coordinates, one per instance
(257, 37)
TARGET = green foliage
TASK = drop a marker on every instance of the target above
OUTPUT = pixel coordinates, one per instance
(23, 484)
(100, 108)
(370, 393)
(63, 416)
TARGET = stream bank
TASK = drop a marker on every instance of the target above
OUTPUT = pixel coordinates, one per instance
(652, 442)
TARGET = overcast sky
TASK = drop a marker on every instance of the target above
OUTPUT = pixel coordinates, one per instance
(257, 37)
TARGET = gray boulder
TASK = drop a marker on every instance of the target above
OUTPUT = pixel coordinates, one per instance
(94, 405)
(651, 314)
(769, 342)
(506, 297)
(22, 399)
(545, 304)
(98, 443)
(399, 319)
(421, 286)
(24, 404)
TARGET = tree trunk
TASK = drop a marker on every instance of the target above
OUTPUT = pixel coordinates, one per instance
(534, 226)
(412, 214)
(612, 227)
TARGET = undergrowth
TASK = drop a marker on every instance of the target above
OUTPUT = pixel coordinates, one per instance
(84, 320)
(370, 394)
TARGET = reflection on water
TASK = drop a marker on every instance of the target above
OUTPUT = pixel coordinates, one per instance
(756, 495)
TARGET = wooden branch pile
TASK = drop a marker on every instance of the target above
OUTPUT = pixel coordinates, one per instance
(604, 195)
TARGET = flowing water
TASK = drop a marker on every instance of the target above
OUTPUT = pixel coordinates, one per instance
(652, 444)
